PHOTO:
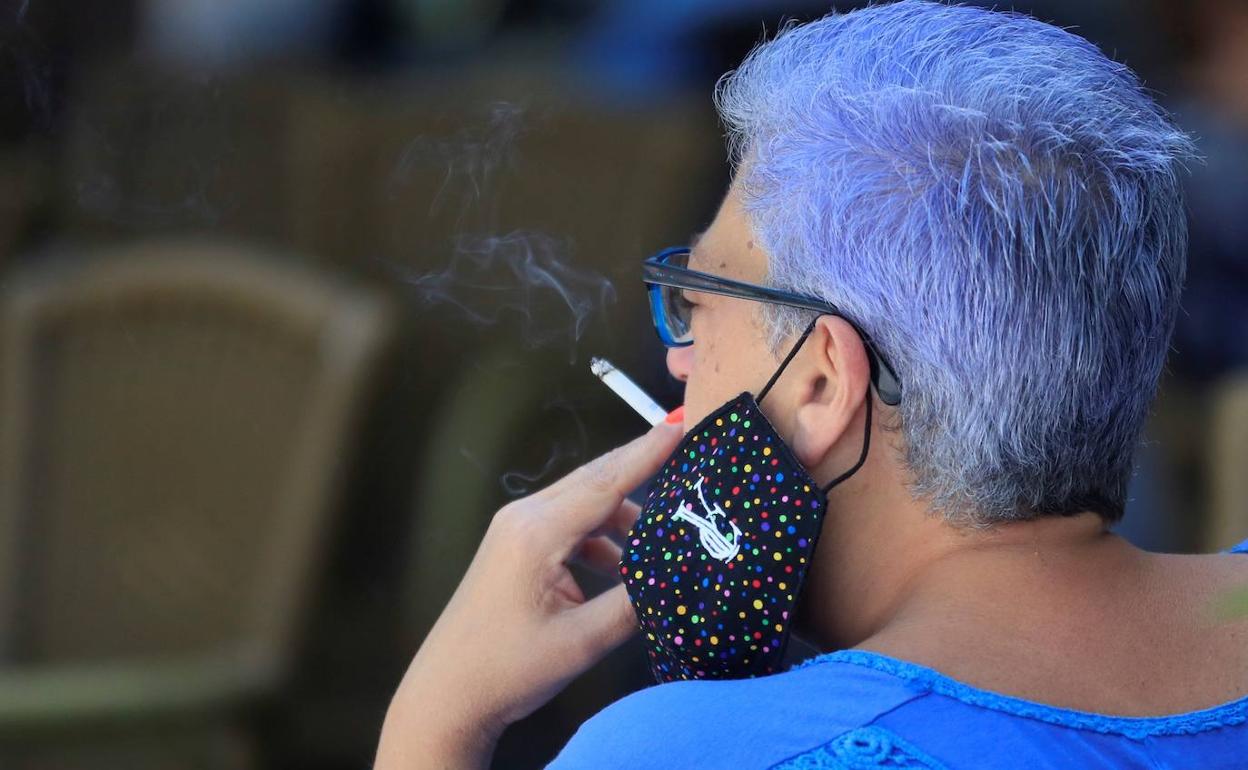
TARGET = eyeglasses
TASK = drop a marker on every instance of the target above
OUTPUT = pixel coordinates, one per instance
(667, 273)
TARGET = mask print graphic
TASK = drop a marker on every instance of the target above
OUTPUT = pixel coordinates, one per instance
(718, 546)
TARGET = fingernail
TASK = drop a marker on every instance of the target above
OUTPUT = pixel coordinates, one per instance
(677, 415)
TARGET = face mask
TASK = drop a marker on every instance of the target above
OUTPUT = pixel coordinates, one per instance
(715, 562)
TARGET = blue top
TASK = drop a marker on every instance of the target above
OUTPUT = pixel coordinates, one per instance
(854, 709)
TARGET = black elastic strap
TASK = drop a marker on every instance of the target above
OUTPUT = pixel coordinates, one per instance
(862, 458)
(866, 436)
(792, 352)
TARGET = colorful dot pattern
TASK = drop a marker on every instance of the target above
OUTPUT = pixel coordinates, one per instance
(704, 616)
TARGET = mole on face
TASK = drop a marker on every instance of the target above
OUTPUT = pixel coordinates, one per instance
(749, 245)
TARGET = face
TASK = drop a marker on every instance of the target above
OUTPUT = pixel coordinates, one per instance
(813, 406)
(729, 353)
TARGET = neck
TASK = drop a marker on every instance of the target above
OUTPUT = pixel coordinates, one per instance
(885, 569)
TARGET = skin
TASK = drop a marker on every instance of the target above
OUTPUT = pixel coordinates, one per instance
(1056, 610)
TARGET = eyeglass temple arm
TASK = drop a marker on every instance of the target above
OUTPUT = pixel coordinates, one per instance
(885, 379)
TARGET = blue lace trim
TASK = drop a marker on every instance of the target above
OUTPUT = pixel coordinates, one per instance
(1225, 715)
(863, 748)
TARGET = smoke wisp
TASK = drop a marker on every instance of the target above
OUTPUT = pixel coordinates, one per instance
(521, 275)
(469, 161)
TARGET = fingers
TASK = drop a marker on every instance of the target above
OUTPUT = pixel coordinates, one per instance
(586, 498)
(601, 555)
(618, 524)
(601, 624)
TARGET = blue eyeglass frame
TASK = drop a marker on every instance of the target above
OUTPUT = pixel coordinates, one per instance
(657, 273)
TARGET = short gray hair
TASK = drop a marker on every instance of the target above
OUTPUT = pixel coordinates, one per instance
(999, 206)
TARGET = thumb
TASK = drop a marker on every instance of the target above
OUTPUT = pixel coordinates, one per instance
(602, 624)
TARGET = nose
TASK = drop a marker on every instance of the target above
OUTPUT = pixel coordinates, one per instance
(680, 361)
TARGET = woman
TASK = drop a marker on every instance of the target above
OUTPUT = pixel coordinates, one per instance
(967, 224)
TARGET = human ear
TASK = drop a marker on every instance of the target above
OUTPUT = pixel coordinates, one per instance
(832, 389)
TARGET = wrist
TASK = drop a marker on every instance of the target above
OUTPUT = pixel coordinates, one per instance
(432, 737)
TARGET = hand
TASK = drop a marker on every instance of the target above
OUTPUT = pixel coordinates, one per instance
(518, 628)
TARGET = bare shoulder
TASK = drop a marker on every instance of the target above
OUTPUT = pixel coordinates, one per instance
(1199, 581)
(1198, 618)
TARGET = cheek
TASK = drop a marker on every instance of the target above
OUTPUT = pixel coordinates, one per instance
(713, 379)
(699, 400)
(729, 356)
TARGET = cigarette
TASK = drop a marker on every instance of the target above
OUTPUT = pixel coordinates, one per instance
(627, 390)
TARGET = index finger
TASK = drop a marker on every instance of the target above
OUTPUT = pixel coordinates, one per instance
(584, 499)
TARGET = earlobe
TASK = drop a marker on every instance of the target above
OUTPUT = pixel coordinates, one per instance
(818, 427)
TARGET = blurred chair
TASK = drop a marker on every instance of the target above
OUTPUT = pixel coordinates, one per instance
(176, 419)
(1228, 463)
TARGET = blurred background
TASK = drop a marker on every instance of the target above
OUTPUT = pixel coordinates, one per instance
(294, 294)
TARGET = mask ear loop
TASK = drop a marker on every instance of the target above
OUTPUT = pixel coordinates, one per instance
(866, 444)
(866, 434)
(792, 352)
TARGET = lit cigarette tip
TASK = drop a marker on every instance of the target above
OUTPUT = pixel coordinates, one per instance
(600, 367)
(626, 389)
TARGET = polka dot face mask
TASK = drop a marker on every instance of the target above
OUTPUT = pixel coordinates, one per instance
(716, 559)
